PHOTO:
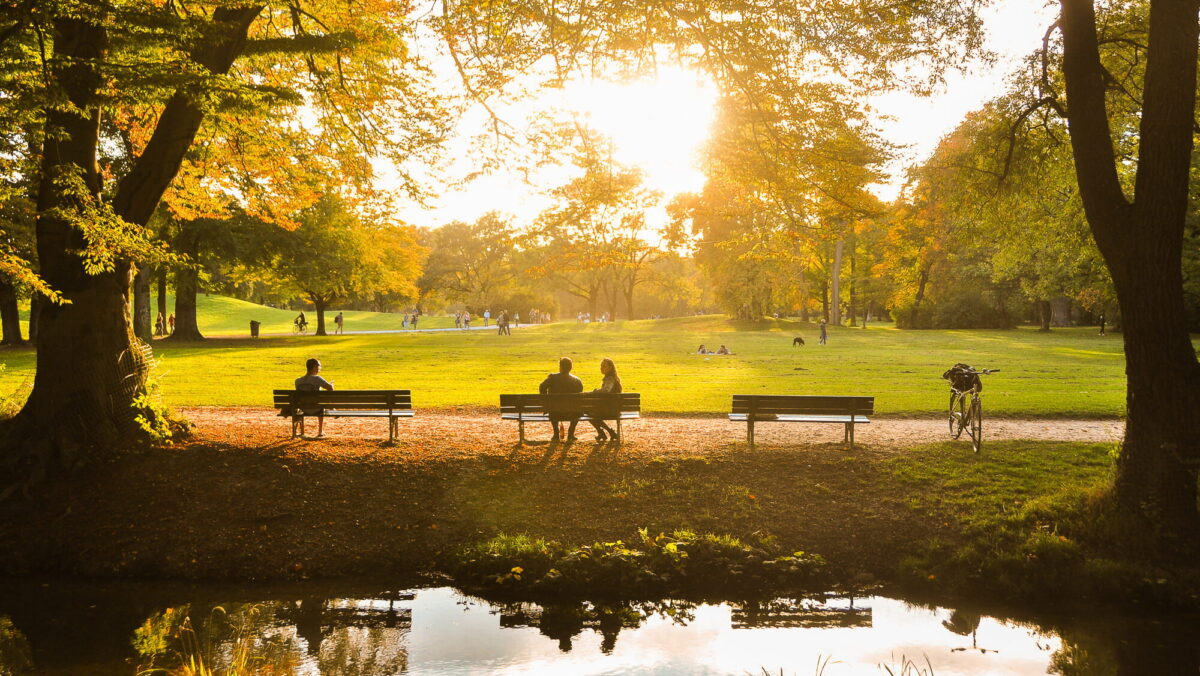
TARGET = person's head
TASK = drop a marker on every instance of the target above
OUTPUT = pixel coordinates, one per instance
(313, 366)
(607, 367)
(565, 364)
(701, 348)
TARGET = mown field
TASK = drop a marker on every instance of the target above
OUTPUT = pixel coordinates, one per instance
(1066, 372)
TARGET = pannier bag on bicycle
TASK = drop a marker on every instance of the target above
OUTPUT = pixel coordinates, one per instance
(963, 378)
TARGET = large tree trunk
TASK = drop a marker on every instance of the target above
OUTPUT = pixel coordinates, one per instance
(187, 328)
(161, 283)
(1044, 315)
(1142, 243)
(143, 326)
(10, 315)
(319, 303)
(89, 367)
(836, 300)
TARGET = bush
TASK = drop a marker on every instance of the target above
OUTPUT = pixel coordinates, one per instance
(681, 563)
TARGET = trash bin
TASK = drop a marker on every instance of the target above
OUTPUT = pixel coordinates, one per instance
(254, 328)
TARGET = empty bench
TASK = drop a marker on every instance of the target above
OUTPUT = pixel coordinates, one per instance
(526, 408)
(390, 404)
(759, 408)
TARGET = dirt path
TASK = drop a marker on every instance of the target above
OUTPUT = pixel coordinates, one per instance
(487, 433)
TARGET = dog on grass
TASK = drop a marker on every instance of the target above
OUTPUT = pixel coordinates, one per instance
(797, 341)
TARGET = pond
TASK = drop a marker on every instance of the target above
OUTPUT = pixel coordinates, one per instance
(122, 628)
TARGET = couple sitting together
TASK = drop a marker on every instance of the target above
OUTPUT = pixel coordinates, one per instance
(565, 383)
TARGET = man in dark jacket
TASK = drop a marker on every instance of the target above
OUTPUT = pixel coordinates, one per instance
(562, 383)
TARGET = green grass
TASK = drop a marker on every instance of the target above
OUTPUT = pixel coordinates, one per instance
(1064, 372)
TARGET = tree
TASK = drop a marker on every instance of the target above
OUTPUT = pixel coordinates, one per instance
(335, 254)
(1136, 202)
(171, 68)
(472, 264)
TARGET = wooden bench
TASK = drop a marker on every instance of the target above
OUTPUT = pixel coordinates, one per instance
(757, 408)
(588, 406)
(390, 404)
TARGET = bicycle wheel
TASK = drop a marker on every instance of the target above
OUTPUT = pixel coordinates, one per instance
(958, 413)
(975, 415)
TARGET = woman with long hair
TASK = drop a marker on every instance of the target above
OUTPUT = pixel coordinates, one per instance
(610, 385)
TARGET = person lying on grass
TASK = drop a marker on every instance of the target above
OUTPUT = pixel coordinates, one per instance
(562, 383)
(724, 350)
(312, 382)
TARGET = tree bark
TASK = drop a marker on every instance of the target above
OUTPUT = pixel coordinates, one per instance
(1044, 314)
(319, 303)
(89, 367)
(187, 328)
(850, 309)
(161, 280)
(143, 326)
(10, 315)
(836, 282)
(1142, 243)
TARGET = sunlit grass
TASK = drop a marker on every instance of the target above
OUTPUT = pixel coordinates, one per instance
(1061, 373)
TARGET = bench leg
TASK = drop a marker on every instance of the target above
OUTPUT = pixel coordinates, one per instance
(620, 434)
(391, 430)
(520, 432)
(851, 428)
(846, 432)
(750, 433)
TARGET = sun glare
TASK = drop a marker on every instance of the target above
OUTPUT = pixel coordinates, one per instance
(657, 124)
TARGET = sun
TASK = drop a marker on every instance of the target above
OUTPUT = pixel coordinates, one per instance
(658, 124)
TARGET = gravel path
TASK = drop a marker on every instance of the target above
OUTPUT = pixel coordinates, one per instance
(487, 433)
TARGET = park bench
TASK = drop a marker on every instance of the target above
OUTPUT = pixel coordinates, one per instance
(758, 408)
(525, 408)
(390, 404)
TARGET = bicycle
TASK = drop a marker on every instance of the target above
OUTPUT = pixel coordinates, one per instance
(298, 328)
(966, 409)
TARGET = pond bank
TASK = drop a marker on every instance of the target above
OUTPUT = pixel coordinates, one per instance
(240, 501)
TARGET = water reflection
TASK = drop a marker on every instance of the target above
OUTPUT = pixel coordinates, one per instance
(439, 631)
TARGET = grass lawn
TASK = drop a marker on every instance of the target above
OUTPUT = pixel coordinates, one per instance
(225, 316)
(1066, 372)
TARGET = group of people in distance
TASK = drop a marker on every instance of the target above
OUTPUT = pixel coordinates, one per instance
(164, 327)
(704, 350)
(301, 323)
(410, 320)
(563, 382)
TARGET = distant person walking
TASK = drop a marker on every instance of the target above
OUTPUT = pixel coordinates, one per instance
(562, 383)
(171, 324)
(502, 324)
(824, 339)
(160, 325)
(1103, 322)
(487, 316)
(339, 323)
(610, 385)
(466, 321)
(415, 316)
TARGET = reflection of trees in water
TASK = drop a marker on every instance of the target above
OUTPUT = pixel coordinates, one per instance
(564, 621)
(341, 636)
(16, 657)
(964, 623)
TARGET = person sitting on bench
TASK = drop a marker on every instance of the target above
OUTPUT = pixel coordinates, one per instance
(311, 382)
(562, 383)
(610, 385)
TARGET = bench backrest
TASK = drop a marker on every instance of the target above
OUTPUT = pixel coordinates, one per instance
(374, 400)
(571, 404)
(790, 404)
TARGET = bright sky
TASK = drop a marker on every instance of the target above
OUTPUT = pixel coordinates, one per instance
(660, 124)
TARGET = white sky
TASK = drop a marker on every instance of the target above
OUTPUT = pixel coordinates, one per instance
(659, 125)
